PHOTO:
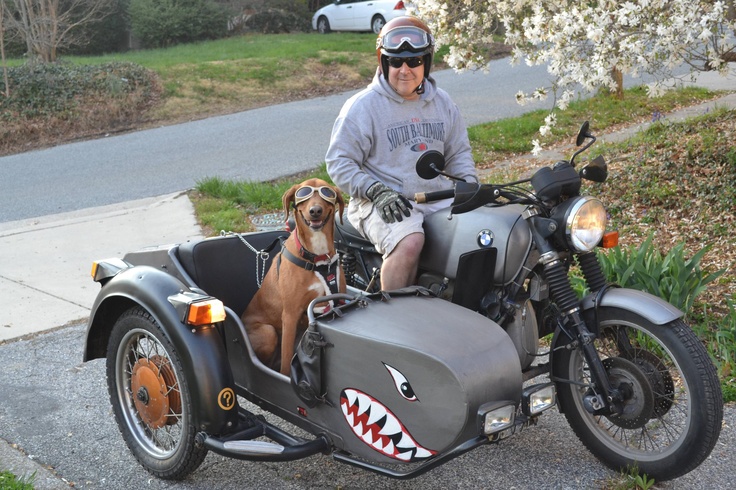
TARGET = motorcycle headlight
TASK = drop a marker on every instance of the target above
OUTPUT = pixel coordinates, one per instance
(584, 222)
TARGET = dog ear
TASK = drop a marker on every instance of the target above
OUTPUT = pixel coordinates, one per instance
(340, 202)
(288, 200)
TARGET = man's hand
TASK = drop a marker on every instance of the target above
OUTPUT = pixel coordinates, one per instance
(390, 203)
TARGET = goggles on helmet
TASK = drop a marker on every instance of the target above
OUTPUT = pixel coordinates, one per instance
(405, 38)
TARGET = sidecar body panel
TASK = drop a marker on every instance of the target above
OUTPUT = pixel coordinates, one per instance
(427, 363)
(405, 378)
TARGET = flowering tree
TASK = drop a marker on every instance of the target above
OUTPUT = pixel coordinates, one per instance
(589, 44)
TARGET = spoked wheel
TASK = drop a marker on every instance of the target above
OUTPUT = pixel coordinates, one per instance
(673, 404)
(150, 398)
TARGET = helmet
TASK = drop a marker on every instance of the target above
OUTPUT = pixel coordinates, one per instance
(404, 37)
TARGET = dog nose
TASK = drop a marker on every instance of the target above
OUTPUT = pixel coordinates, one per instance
(315, 212)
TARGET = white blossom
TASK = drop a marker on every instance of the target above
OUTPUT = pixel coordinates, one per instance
(581, 43)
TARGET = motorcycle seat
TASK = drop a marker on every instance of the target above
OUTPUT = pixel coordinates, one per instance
(226, 268)
(347, 234)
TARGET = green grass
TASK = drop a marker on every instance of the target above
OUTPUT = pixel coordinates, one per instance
(9, 481)
(252, 57)
(226, 205)
(291, 48)
(514, 135)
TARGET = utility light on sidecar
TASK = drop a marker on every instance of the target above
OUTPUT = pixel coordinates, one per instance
(496, 417)
(538, 398)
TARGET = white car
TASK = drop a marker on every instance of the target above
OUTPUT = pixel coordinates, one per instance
(357, 15)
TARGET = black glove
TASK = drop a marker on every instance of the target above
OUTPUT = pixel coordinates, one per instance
(390, 203)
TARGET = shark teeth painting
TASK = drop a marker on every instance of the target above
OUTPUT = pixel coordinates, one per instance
(379, 428)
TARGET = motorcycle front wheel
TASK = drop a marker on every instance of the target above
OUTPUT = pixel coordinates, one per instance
(674, 407)
(150, 398)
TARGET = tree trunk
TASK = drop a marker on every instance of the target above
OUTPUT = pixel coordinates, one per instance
(619, 79)
(2, 50)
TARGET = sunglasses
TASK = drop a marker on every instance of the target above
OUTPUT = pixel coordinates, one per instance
(304, 193)
(412, 62)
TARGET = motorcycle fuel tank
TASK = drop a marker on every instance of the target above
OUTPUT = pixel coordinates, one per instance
(502, 228)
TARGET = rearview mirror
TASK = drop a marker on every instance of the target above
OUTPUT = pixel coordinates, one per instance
(430, 164)
(583, 133)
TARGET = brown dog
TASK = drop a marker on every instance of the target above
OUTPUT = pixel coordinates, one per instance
(306, 268)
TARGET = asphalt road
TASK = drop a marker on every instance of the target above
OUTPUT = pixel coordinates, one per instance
(260, 144)
(57, 409)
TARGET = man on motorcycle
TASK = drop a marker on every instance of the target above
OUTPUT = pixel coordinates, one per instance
(378, 137)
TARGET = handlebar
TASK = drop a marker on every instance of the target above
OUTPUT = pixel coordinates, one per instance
(424, 197)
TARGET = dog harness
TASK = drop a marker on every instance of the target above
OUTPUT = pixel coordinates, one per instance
(323, 265)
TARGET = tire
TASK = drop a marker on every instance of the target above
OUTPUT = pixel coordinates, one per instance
(377, 24)
(150, 397)
(672, 419)
(323, 25)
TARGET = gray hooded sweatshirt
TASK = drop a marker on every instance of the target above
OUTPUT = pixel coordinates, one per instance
(378, 136)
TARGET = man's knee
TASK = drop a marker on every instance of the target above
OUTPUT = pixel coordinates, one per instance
(410, 246)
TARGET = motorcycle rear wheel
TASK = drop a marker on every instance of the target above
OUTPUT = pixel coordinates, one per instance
(150, 398)
(674, 409)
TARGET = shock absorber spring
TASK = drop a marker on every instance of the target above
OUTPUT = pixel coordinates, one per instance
(349, 266)
(559, 286)
(592, 271)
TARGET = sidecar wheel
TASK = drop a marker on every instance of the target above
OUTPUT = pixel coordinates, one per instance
(150, 398)
(674, 408)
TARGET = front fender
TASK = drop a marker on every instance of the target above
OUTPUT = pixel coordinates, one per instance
(201, 350)
(651, 307)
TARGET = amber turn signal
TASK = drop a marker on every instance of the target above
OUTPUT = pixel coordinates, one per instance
(610, 239)
(206, 312)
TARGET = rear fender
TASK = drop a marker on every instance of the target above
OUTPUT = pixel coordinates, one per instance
(201, 350)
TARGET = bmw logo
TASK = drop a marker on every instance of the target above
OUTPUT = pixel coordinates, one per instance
(485, 238)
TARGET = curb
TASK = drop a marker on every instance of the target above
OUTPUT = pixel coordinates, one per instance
(17, 462)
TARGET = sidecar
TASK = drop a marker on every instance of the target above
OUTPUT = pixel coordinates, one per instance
(394, 382)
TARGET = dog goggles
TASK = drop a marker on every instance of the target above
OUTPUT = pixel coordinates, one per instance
(408, 38)
(412, 62)
(307, 191)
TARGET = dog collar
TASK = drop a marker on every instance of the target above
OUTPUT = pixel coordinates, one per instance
(306, 254)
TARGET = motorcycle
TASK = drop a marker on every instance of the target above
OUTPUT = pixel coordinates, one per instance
(632, 379)
(400, 382)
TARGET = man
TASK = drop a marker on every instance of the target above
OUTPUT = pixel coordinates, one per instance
(378, 137)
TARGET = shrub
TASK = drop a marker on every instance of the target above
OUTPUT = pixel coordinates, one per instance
(274, 21)
(161, 23)
(46, 89)
(671, 277)
(109, 35)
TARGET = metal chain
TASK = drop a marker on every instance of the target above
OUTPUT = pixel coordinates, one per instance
(260, 254)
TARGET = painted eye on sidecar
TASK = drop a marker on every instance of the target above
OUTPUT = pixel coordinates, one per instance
(402, 384)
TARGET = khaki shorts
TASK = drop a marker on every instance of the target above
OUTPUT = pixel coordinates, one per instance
(385, 236)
